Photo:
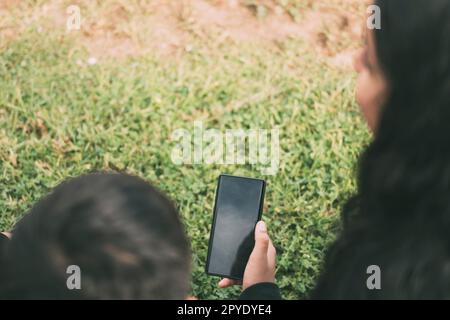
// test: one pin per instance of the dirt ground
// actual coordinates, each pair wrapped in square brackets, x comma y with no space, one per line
[115,28]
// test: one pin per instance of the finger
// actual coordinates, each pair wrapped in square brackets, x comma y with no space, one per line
[262,239]
[7,234]
[225,283]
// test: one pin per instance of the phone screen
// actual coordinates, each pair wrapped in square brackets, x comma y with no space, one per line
[237,209]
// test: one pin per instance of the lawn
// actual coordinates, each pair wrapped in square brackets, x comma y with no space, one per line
[61,116]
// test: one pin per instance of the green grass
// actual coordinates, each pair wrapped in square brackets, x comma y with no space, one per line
[60,118]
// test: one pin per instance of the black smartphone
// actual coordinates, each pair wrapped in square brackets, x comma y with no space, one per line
[237,209]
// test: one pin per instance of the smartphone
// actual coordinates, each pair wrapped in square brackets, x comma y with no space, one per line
[237,209]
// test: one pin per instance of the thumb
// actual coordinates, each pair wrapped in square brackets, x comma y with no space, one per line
[262,239]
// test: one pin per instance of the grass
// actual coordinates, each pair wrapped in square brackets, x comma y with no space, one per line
[61,117]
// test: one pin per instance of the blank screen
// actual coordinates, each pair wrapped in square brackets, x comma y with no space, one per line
[237,209]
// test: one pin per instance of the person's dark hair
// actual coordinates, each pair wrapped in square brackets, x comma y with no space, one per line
[400,217]
[125,236]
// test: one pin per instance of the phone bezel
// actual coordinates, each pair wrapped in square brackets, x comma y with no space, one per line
[213,226]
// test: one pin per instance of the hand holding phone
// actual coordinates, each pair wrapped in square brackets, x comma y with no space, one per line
[237,209]
[261,264]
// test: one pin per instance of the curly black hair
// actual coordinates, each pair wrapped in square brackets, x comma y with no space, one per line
[399,218]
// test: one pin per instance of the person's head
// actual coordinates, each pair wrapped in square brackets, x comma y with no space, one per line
[405,63]
[399,218]
[124,235]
